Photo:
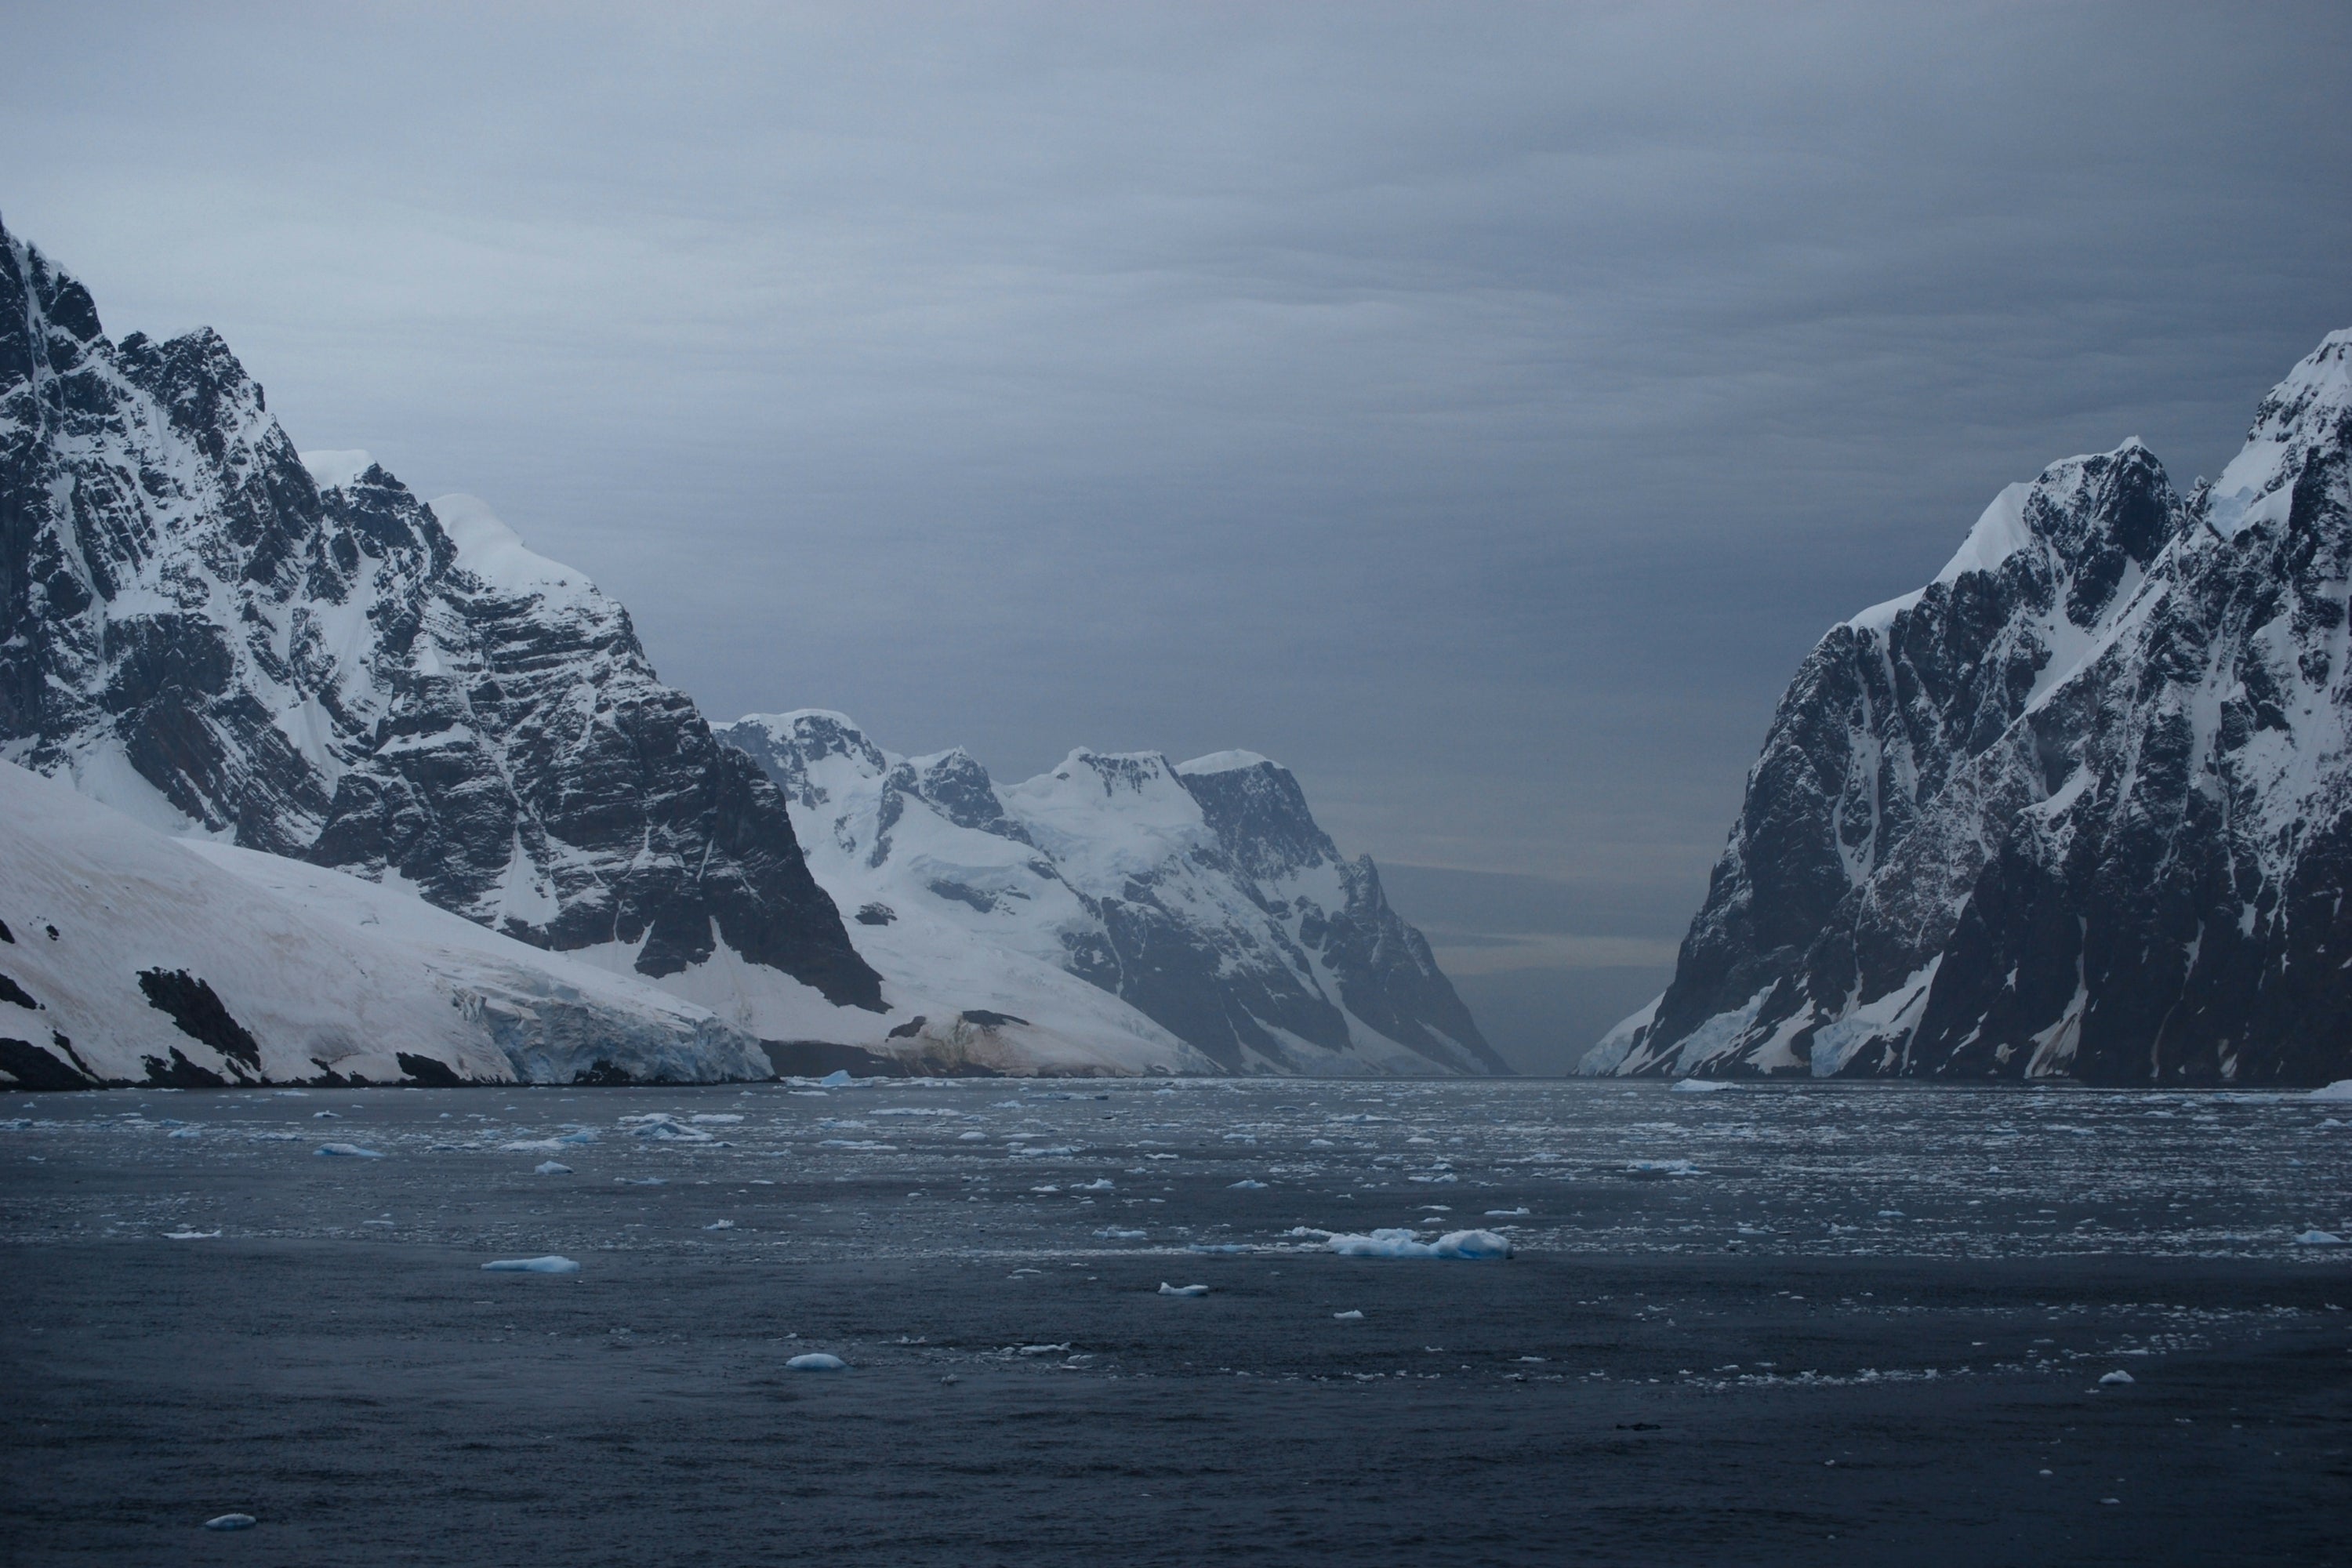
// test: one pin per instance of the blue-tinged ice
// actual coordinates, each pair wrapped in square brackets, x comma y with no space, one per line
[550,1264]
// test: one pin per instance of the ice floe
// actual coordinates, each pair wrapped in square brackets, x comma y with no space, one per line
[550,1264]
[1168,1289]
[1400,1243]
[817,1360]
[349,1151]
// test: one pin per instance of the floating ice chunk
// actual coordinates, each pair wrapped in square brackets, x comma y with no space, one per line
[1890,1214]
[579,1135]
[349,1151]
[1044,1350]
[1216,1247]
[2115,1379]
[1506,1214]
[531,1146]
[2319,1238]
[660,1124]
[1349,1317]
[1099,1184]
[817,1360]
[1401,1243]
[1246,1184]
[709,1118]
[1700,1086]
[2340,1090]
[550,1264]
[837,1079]
[185,1133]
[1056,1153]
[231,1522]
[550,1168]
[1168,1289]
[721,1224]
[183,1234]
[326,1116]
[972,1137]
[642,1181]
[1653,1169]
[1115,1234]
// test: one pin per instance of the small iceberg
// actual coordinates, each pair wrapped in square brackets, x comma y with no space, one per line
[231,1522]
[348,1151]
[1400,1243]
[817,1360]
[1508,1214]
[1700,1086]
[837,1079]
[1168,1289]
[1656,1170]
[2115,1379]
[550,1264]
[2340,1090]
[1114,1234]
[183,1234]
[1246,1184]
[550,1168]
[1349,1317]
[2319,1238]
[185,1133]
[721,1224]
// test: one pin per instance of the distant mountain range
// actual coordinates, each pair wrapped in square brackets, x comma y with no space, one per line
[2079,808]
[229,640]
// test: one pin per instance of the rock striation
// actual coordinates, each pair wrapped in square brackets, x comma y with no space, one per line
[2079,808]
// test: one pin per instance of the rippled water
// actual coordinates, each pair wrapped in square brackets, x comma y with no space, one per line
[978,1167]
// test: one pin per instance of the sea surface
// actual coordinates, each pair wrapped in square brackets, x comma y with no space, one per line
[1769,1323]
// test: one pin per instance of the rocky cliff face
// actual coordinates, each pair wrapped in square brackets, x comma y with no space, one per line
[198,628]
[1202,897]
[2080,807]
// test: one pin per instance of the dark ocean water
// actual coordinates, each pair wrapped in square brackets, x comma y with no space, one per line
[1769,1324]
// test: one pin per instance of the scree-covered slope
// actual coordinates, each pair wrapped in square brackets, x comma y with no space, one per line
[2080,807]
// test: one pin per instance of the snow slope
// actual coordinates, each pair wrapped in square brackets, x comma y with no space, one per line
[2081,807]
[1193,916]
[132,956]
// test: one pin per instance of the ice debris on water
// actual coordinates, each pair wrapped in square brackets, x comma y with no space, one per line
[231,1522]
[1168,1289]
[1655,1169]
[1700,1086]
[185,1133]
[1246,1184]
[348,1151]
[837,1079]
[2319,1238]
[2115,1379]
[721,1224]
[1349,1317]
[817,1360]
[183,1234]
[550,1168]
[1401,1243]
[1113,1233]
[1099,1184]
[2340,1090]
[1506,1214]
[550,1264]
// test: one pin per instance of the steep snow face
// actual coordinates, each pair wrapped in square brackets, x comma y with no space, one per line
[2079,808]
[1197,909]
[202,628]
[133,957]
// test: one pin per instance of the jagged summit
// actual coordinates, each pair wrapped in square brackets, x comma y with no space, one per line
[202,628]
[1200,901]
[2079,807]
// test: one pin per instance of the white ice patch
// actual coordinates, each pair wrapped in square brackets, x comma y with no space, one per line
[348,1151]
[550,1264]
[1168,1289]
[1400,1243]
[817,1360]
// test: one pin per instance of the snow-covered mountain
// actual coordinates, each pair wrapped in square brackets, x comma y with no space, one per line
[1194,909]
[2081,806]
[130,957]
[206,632]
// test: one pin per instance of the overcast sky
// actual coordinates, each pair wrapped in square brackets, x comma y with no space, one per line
[1480,409]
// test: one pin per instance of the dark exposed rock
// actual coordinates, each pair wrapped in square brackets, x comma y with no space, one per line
[199,1014]
[2079,808]
[201,633]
